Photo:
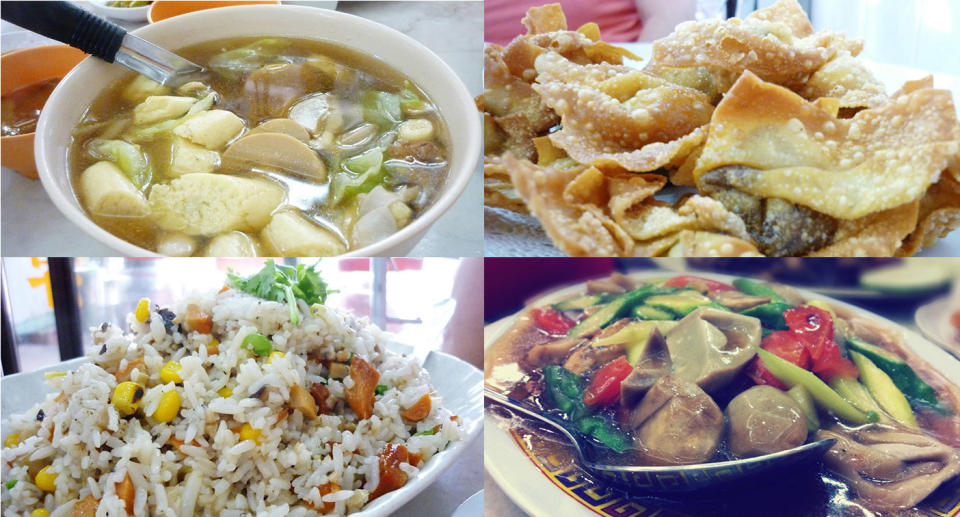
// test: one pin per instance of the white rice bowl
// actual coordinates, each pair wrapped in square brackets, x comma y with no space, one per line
[91,447]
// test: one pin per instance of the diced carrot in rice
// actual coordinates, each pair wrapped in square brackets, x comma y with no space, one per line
[391,476]
[360,395]
[125,491]
[86,507]
[419,410]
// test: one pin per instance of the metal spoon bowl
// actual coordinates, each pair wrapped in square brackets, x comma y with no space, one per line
[681,478]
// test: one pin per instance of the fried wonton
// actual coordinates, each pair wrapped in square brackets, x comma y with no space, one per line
[498,191]
[514,114]
[617,115]
[576,225]
[939,214]
[793,146]
[876,235]
[777,44]
[785,147]
[847,80]
[586,208]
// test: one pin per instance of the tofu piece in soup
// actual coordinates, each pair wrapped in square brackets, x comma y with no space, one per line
[106,191]
[208,204]
[289,234]
[212,129]
[232,244]
[141,87]
[158,108]
[187,157]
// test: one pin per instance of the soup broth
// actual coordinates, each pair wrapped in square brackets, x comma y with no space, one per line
[21,107]
[282,146]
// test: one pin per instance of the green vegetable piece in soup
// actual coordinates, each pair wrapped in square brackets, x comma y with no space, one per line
[919,393]
[409,98]
[884,391]
[603,430]
[127,156]
[358,175]
[249,57]
[792,375]
[382,109]
[565,390]
[770,315]
[756,288]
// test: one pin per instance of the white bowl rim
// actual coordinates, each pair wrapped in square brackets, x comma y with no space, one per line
[457,178]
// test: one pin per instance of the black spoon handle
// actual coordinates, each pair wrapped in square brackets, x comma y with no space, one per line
[67,23]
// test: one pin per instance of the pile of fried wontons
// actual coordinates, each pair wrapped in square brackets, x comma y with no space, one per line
[776,140]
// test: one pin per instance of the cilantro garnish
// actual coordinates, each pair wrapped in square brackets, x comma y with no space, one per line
[280,283]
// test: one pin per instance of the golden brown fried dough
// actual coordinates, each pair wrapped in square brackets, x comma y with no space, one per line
[846,168]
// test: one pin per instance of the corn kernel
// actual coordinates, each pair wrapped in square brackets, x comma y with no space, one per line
[143,310]
[213,347]
[247,432]
[126,397]
[225,392]
[168,408]
[40,512]
[50,375]
[46,480]
[12,441]
[274,355]
[171,372]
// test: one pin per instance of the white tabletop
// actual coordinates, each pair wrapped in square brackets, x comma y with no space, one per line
[32,225]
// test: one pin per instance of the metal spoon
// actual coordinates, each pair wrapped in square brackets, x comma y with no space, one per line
[668,478]
[90,33]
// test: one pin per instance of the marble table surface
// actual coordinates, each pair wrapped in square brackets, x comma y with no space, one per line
[32,225]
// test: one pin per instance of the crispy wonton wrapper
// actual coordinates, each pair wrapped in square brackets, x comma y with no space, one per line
[614,115]
[777,43]
[877,235]
[498,191]
[847,168]
[800,122]
[587,211]
[849,82]
[939,214]
[514,114]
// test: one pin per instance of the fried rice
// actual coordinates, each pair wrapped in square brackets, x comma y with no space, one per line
[202,462]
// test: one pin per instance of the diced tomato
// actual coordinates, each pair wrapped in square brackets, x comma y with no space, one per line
[831,363]
[955,319]
[552,320]
[786,345]
[604,389]
[692,281]
[809,344]
[809,321]
[815,327]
